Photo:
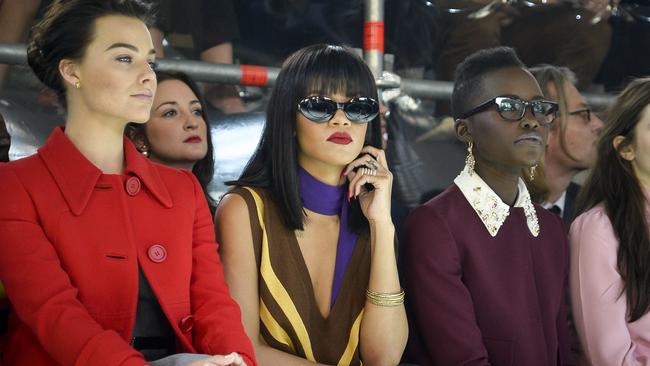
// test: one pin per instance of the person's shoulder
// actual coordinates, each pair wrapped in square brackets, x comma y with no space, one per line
[22,164]
[23,168]
[240,206]
[177,181]
[597,214]
[594,229]
[449,196]
[240,197]
[593,223]
[249,193]
[234,205]
[438,207]
[169,173]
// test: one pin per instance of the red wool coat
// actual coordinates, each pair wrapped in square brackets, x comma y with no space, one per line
[71,240]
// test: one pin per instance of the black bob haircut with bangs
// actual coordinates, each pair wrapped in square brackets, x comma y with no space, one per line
[314,70]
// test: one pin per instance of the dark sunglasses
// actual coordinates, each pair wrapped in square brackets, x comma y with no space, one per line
[514,109]
[321,109]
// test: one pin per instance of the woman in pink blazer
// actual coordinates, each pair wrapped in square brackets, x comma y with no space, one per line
[610,244]
[108,258]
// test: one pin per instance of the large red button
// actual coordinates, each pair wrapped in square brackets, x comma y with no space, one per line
[133,186]
[186,324]
[157,253]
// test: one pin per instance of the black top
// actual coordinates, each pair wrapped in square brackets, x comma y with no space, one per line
[151,324]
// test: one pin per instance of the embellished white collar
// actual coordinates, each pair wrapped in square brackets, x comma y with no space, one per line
[488,205]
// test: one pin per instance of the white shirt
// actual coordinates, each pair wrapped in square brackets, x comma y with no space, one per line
[559,203]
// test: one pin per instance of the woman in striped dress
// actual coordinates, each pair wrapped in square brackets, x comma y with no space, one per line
[306,236]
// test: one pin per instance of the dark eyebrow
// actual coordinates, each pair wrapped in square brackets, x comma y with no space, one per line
[165,103]
[129,46]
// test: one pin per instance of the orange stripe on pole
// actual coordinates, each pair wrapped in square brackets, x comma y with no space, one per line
[373,36]
[254,75]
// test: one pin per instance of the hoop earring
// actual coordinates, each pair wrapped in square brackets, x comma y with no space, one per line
[531,173]
[469,160]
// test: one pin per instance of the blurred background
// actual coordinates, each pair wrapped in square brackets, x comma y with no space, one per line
[234,48]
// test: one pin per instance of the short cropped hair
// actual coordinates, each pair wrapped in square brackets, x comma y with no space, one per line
[470,72]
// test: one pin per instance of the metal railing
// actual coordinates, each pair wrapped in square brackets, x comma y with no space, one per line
[265,76]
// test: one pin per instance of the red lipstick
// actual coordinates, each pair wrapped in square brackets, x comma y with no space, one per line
[340,138]
[195,139]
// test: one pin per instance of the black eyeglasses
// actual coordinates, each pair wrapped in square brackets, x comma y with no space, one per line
[321,109]
[514,109]
[584,113]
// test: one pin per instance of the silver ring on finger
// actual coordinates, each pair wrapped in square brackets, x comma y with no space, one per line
[372,164]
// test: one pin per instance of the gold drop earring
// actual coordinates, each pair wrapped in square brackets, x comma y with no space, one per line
[469,160]
[531,173]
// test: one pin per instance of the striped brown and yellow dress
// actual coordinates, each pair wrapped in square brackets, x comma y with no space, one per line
[289,317]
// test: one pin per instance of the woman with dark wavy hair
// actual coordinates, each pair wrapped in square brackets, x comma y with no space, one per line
[610,245]
[178,131]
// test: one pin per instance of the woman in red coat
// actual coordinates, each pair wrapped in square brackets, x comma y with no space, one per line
[107,258]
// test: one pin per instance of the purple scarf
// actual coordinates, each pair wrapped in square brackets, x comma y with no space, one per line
[330,200]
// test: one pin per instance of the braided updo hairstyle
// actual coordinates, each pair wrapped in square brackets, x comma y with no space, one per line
[66,30]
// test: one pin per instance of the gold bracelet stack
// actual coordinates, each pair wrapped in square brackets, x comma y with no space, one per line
[380,299]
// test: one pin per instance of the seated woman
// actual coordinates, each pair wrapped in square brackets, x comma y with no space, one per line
[178,133]
[484,267]
[107,258]
[610,245]
[307,238]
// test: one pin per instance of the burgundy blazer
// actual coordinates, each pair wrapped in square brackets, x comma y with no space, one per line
[71,240]
[474,299]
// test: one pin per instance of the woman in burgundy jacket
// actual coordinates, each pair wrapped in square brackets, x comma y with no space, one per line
[106,257]
[485,268]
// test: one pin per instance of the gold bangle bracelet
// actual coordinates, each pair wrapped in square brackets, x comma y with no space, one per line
[380,299]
